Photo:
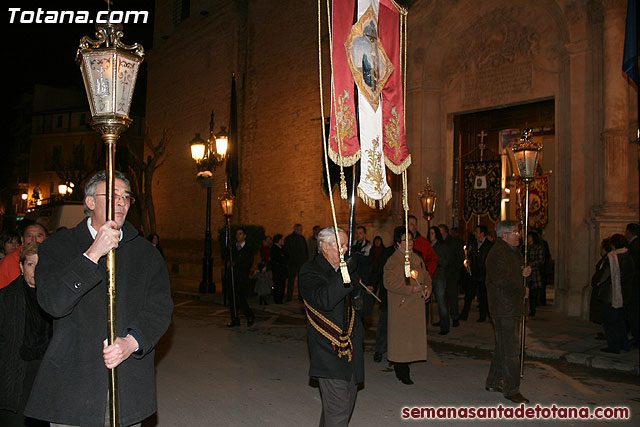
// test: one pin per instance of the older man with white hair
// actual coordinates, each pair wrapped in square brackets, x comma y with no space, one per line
[506,293]
[335,330]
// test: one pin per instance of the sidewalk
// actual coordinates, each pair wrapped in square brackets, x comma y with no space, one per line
[550,335]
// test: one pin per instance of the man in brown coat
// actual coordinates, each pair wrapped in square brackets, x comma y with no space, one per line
[506,293]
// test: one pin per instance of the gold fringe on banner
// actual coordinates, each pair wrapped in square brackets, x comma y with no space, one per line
[398,169]
[371,202]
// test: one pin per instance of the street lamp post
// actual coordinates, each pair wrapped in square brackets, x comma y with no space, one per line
[428,202]
[526,153]
[109,70]
[208,157]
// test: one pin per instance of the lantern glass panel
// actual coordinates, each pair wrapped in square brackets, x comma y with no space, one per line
[527,161]
[125,83]
[227,206]
[99,82]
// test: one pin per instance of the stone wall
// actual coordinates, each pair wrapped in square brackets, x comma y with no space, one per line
[464,56]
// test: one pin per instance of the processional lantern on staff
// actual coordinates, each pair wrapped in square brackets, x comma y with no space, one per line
[525,152]
[367,44]
[109,70]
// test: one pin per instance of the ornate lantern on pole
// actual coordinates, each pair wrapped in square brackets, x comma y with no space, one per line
[227,201]
[428,202]
[208,155]
[109,70]
[526,154]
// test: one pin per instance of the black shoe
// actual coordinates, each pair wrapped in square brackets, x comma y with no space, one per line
[495,389]
[251,320]
[436,324]
[480,320]
[443,332]
[517,398]
[377,357]
[608,350]
[233,324]
[456,323]
[406,381]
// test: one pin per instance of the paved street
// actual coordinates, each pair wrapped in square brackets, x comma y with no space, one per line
[209,375]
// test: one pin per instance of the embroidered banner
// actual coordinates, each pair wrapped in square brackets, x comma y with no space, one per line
[394,143]
[344,148]
[538,201]
[370,68]
[482,190]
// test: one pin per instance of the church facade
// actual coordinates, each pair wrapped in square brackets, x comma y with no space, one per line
[465,57]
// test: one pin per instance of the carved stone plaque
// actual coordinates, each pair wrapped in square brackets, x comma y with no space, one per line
[497,85]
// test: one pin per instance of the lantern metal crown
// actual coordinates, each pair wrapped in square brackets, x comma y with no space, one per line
[526,153]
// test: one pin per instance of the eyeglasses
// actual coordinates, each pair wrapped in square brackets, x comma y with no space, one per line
[514,232]
[127,199]
[409,239]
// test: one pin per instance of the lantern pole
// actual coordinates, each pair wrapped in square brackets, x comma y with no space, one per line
[109,73]
[526,153]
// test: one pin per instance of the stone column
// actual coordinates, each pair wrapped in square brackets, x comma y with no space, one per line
[616,210]
[616,107]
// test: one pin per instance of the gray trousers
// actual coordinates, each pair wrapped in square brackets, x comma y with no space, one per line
[338,401]
[505,364]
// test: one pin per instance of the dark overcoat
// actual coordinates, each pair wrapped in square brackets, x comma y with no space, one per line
[505,286]
[12,367]
[321,287]
[72,383]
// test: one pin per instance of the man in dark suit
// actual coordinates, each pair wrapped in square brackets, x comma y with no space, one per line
[278,268]
[242,263]
[295,245]
[334,329]
[454,248]
[506,293]
[477,256]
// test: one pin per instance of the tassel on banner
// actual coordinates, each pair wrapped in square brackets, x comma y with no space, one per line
[343,186]
[407,265]
[344,270]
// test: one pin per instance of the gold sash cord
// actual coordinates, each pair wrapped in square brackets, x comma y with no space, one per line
[340,340]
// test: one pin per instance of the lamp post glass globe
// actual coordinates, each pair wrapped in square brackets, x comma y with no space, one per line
[198,148]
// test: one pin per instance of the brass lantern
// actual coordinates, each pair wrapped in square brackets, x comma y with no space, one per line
[428,202]
[226,203]
[526,154]
[109,73]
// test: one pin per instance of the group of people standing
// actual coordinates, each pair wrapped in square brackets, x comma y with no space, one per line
[335,333]
[615,292]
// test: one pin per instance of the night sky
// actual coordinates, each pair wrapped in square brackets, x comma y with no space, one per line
[45,53]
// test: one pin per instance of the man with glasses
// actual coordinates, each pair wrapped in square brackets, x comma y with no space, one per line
[72,384]
[506,293]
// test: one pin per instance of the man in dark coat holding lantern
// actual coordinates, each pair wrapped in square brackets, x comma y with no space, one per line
[71,387]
